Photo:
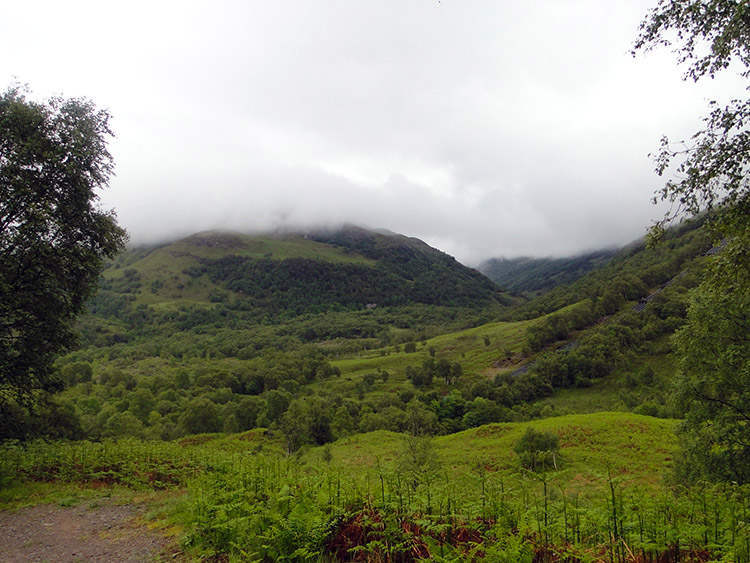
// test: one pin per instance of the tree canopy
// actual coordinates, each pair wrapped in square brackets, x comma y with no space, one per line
[712,177]
[53,235]
[712,166]
[707,35]
[713,384]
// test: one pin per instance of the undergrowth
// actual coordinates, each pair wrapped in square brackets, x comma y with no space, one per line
[261,506]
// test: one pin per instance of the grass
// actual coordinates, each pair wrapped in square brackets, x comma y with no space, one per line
[216,244]
[636,449]
[167,264]
[610,393]
[239,496]
[466,347]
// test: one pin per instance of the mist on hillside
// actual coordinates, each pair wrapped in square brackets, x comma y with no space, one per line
[485,129]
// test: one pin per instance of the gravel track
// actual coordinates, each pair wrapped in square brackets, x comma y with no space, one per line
[104,533]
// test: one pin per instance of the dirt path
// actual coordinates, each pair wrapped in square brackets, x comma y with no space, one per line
[105,533]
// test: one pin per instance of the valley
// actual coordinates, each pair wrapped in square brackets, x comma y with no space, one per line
[361,396]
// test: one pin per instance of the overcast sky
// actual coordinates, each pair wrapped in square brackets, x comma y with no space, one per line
[484,127]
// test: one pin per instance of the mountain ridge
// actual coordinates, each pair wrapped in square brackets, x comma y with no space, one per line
[309,271]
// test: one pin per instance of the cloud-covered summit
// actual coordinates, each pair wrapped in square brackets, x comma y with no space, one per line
[485,128]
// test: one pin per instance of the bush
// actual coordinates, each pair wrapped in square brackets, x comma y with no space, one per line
[538,451]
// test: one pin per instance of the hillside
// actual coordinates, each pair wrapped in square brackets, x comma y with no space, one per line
[461,498]
[633,272]
[531,276]
[369,285]
[205,369]
[349,269]
[215,332]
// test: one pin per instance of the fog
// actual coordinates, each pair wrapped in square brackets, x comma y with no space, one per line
[485,128]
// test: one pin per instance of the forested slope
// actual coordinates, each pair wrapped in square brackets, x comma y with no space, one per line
[531,276]
[323,335]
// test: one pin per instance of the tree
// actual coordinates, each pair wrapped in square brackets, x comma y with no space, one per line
[713,382]
[124,424]
[709,35]
[142,403]
[77,372]
[538,450]
[443,370]
[418,461]
[294,427]
[318,417]
[276,404]
[53,235]
[420,420]
[248,411]
[201,415]
[712,177]
[483,411]
[343,423]
[722,24]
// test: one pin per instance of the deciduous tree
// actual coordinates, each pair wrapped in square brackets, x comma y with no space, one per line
[538,450]
[712,177]
[707,35]
[713,383]
[53,235]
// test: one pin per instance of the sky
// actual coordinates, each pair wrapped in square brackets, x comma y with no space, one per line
[487,128]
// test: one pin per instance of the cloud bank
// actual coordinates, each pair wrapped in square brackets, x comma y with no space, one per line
[486,128]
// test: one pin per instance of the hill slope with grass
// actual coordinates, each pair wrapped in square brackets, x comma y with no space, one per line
[297,273]
[366,284]
[197,353]
[384,496]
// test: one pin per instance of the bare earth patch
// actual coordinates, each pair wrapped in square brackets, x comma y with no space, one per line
[104,533]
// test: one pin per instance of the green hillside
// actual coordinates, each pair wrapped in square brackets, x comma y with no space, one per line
[282,276]
[384,496]
[229,332]
[533,276]
[160,274]
[590,445]
[633,272]
[294,388]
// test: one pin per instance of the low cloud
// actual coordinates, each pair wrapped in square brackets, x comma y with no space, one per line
[485,128]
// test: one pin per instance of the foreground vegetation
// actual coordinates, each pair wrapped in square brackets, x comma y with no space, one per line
[384,496]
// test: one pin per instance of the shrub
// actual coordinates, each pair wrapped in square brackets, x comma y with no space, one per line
[538,451]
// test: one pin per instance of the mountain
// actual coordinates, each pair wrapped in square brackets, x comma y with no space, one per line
[223,280]
[348,268]
[355,330]
[539,275]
